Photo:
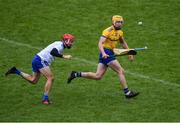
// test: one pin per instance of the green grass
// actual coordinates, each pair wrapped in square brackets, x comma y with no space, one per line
[155,73]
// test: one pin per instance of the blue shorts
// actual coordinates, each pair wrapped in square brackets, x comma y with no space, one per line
[108,59]
[37,63]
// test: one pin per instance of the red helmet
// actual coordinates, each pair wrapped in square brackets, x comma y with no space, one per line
[68,37]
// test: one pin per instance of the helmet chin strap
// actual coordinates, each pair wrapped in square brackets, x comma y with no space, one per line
[67,42]
[116,28]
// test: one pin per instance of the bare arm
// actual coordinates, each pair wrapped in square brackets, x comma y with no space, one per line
[123,43]
[101,48]
[125,46]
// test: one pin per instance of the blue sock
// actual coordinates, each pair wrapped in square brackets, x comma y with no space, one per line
[45,96]
[126,90]
[18,72]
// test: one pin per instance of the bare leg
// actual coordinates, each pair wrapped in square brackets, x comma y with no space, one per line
[46,71]
[120,71]
[101,69]
[33,79]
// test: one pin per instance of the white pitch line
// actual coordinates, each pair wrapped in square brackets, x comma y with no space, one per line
[153,79]
[93,63]
[19,44]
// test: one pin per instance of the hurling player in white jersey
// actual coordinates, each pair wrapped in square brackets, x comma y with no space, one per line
[41,64]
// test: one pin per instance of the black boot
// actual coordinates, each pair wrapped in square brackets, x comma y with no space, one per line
[11,71]
[72,76]
[131,94]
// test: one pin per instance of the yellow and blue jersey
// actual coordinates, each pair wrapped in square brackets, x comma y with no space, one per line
[112,37]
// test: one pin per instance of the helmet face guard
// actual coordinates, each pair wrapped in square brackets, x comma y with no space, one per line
[117,21]
[68,40]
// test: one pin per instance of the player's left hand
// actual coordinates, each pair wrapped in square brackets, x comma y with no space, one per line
[131,58]
[67,56]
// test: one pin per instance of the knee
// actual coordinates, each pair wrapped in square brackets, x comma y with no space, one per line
[98,77]
[121,72]
[51,78]
[33,81]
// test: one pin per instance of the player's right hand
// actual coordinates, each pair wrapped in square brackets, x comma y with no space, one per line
[104,56]
[67,56]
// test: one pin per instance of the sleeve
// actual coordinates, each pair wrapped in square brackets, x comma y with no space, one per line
[105,33]
[122,34]
[54,52]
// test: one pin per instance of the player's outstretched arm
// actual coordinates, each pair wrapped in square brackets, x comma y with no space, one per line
[55,53]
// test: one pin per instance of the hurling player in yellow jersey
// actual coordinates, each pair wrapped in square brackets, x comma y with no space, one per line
[111,36]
